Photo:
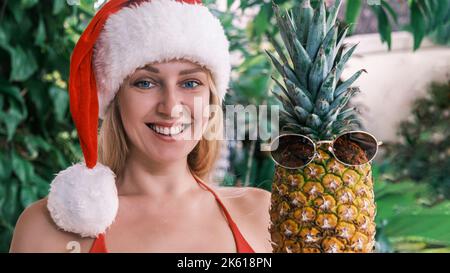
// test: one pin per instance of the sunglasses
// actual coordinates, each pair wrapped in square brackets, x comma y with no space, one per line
[294,151]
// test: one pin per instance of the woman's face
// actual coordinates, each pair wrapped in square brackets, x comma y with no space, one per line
[156,104]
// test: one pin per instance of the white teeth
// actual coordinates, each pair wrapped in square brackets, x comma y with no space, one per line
[174,130]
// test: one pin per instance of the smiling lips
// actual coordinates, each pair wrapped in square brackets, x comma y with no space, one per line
[170,130]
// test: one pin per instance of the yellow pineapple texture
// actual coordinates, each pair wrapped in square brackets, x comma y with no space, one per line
[324,207]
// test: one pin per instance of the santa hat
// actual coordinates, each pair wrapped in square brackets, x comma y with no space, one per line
[123,36]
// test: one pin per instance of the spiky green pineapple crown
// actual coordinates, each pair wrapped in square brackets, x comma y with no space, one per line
[313,100]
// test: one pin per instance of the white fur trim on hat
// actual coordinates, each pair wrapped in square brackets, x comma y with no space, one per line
[84,200]
[157,31]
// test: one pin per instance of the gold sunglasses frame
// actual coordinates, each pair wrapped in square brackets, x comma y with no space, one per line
[330,148]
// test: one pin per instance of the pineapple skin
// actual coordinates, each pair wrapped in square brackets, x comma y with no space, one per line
[324,207]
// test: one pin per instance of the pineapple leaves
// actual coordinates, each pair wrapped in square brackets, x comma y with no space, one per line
[346,113]
[313,121]
[287,105]
[329,44]
[287,117]
[301,113]
[317,73]
[277,47]
[340,65]
[275,62]
[343,86]
[326,92]
[286,30]
[314,100]
[302,18]
[341,38]
[301,97]
[341,100]
[293,127]
[333,14]
[302,63]
[322,107]
[316,31]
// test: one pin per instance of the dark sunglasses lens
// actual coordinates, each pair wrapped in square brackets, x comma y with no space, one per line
[355,148]
[292,151]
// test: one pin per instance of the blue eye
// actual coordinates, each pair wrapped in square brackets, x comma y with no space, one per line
[190,85]
[143,84]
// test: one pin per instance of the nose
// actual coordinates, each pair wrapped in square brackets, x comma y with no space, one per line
[170,104]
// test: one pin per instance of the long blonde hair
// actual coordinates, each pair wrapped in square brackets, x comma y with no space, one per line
[113,142]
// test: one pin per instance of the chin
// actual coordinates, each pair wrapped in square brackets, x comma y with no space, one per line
[168,152]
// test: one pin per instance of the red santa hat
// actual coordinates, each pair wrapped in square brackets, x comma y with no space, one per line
[123,36]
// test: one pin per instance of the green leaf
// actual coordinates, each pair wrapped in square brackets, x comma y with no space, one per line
[58,6]
[417,24]
[34,143]
[277,47]
[384,26]
[29,3]
[352,12]
[302,63]
[22,168]
[4,38]
[276,63]
[28,194]
[343,60]
[12,119]
[261,21]
[229,3]
[11,91]
[390,10]
[326,91]
[333,14]
[17,10]
[60,99]
[41,34]
[23,64]
[5,166]
[343,86]
[302,17]
[313,121]
[420,226]
[10,206]
[317,73]
[316,31]
[328,44]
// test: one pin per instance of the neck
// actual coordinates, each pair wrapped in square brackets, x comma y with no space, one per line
[157,180]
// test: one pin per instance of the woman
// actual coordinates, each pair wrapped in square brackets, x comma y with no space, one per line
[154,63]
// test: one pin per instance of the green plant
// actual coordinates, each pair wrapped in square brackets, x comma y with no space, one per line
[426,18]
[405,223]
[37,137]
[423,152]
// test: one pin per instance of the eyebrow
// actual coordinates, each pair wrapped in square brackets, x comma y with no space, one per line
[183,72]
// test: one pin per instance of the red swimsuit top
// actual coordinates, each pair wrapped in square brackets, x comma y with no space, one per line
[242,245]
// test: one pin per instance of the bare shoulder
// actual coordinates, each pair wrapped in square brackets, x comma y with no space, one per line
[35,231]
[249,208]
[245,197]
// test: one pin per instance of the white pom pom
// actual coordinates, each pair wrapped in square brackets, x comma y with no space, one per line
[84,200]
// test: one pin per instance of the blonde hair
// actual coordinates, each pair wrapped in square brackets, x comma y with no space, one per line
[113,142]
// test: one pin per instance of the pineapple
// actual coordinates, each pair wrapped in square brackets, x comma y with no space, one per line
[325,206]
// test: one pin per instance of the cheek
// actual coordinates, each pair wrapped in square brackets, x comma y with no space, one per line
[134,105]
[198,107]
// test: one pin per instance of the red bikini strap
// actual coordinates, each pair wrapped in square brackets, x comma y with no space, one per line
[241,244]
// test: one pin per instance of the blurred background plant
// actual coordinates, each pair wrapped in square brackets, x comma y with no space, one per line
[422,153]
[413,189]
[37,136]
[38,139]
